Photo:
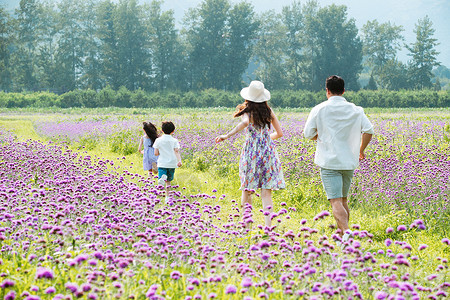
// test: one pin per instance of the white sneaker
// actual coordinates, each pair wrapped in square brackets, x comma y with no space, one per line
[346,235]
[162,180]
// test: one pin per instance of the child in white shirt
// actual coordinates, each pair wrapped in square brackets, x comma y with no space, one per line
[167,148]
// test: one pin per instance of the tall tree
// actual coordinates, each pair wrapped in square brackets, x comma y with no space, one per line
[206,34]
[293,20]
[24,59]
[46,47]
[242,27]
[423,53]
[394,75]
[70,50]
[332,46]
[6,31]
[91,77]
[380,45]
[270,51]
[164,48]
[131,40]
[310,45]
[108,49]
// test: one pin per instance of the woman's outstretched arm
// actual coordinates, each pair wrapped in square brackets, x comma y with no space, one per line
[243,124]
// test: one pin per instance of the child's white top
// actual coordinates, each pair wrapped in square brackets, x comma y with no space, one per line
[166,145]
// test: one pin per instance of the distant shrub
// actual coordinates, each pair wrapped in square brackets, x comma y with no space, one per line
[107,97]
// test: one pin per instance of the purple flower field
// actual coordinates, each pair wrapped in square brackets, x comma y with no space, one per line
[75,226]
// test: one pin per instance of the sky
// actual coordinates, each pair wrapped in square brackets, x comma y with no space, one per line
[399,12]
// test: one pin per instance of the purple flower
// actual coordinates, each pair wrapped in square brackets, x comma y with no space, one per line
[389,230]
[195,281]
[10,296]
[230,289]
[92,296]
[123,264]
[152,291]
[381,295]
[86,287]
[431,277]
[175,275]
[423,247]
[401,228]
[80,258]
[50,290]
[71,287]
[7,283]
[44,273]
[246,282]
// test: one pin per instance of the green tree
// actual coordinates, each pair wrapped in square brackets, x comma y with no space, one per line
[310,45]
[46,47]
[371,85]
[91,76]
[337,48]
[110,67]
[240,35]
[380,45]
[132,39]
[206,35]
[24,58]
[293,21]
[394,75]
[6,31]
[164,48]
[70,45]
[424,54]
[270,51]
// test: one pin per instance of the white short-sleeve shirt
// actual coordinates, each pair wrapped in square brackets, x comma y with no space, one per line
[338,124]
[166,145]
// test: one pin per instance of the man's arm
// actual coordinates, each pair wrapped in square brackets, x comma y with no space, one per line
[310,129]
[366,137]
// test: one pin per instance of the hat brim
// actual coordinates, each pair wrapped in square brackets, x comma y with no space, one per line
[263,97]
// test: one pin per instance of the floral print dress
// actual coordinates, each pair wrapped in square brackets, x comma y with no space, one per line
[259,165]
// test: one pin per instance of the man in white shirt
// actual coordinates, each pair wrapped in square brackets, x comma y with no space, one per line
[167,148]
[337,126]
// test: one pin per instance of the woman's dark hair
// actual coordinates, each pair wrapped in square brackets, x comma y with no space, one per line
[151,131]
[260,113]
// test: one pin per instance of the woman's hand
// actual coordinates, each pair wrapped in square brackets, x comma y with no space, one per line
[221,138]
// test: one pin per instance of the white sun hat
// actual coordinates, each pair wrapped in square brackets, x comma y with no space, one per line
[255,92]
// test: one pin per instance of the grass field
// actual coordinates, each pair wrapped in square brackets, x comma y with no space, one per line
[80,218]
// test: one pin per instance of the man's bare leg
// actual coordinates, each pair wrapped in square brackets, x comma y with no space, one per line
[340,213]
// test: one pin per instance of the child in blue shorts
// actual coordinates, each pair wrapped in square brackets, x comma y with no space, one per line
[167,148]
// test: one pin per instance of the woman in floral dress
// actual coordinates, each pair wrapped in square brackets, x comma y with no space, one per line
[259,164]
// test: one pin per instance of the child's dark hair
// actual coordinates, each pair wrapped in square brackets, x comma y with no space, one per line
[260,113]
[151,131]
[167,127]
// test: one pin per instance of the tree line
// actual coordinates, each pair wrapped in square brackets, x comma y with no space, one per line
[96,44]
